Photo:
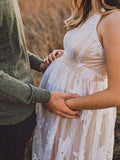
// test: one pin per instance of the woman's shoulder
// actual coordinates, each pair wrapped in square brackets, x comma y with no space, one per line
[112,19]
[110,23]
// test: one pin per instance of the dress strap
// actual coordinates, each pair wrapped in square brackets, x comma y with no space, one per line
[97,19]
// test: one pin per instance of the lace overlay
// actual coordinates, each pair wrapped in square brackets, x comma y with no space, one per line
[82,70]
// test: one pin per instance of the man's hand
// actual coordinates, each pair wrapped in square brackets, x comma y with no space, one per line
[43,67]
[54,55]
[57,105]
[48,60]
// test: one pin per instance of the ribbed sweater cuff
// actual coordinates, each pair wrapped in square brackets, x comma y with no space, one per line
[40,95]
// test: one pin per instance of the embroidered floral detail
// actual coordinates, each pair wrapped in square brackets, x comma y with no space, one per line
[76,154]
[34,157]
[85,116]
[63,148]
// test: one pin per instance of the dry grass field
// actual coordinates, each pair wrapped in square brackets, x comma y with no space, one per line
[44,25]
[44,30]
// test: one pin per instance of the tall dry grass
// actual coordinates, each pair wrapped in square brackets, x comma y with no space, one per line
[44,30]
[44,26]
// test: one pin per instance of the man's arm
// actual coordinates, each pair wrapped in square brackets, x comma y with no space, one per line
[35,61]
[28,94]
[24,93]
[41,65]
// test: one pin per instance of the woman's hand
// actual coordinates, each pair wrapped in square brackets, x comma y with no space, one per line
[51,57]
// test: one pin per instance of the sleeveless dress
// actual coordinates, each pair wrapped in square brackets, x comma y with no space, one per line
[81,70]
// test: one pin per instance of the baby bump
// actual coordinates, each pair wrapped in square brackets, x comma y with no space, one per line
[61,77]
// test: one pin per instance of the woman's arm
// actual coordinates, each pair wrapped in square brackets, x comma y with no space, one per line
[110,33]
[100,100]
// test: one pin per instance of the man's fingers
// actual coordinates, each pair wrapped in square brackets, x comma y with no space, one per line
[66,111]
[59,54]
[64,115]
[71,112]
[53,56]
[69,96]
[46,61]
[50,59]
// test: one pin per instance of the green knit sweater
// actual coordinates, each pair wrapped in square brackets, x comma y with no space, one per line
[18,96]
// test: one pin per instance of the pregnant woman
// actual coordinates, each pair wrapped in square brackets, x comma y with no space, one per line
[90,67]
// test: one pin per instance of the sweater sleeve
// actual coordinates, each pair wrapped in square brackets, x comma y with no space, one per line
[1,14]
[24,93]
[34,61]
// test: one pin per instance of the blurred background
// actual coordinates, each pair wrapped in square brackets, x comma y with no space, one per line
[44,30]
[44,26]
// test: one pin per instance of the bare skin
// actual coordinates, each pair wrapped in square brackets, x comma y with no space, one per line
[58,106]
[109,35]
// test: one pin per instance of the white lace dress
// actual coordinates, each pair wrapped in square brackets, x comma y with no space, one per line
[82,70]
